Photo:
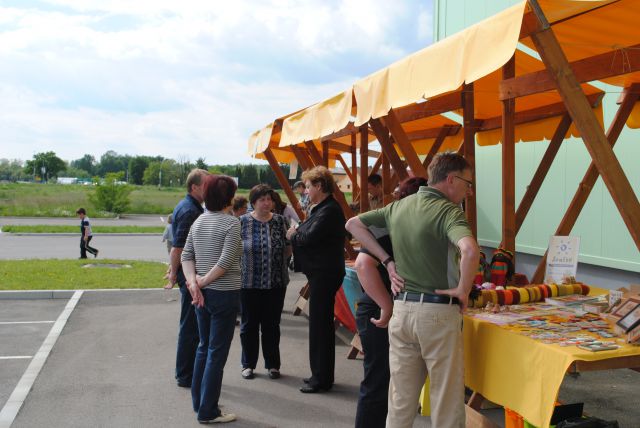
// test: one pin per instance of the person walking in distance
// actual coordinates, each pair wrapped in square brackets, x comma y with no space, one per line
[85,235]
[184,214]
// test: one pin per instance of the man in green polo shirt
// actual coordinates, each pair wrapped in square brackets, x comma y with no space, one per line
[436,257]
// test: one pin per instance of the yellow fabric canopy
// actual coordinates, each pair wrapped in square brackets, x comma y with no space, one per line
[319,120]
[441,67]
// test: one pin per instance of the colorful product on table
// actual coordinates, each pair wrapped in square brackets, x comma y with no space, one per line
[534,293]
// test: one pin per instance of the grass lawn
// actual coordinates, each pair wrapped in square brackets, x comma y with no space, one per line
[70,275]
[48,228]
[59,200]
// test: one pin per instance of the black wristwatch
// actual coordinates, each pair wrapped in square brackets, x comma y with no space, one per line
[388,260]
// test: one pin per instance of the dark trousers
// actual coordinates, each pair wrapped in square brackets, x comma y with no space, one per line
[84,247]
[187,335]
[322,336]
[216,323]
[374,388]
[261,312]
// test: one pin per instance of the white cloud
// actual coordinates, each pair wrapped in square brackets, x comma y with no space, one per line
[167,78]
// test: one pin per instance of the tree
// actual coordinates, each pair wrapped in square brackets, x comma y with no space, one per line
[86,163]
[77,173]
[137,165]
[153,173]
[12,170]
[112,162]
[249,177]
[200,163]
[112,196]
[45,164]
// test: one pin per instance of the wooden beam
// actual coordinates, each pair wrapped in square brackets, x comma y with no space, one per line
[538,113]
[364,168]
[325,153]
[354,167]
[431,107]
[543,169]
[284,183]
[588,181]
[347,170]
[382,133]
[400,137]
[303,158]
[350,129]
[427,134]
[377,164]
[435,147]
[598,67]
[386,181]
[508,165]
[469,149]
[314,154]
[585,120]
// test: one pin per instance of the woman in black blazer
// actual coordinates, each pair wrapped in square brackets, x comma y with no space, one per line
[318,245]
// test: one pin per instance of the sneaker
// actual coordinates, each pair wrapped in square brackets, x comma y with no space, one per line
[224,417]
[274,373]
[247,373]
[96,254]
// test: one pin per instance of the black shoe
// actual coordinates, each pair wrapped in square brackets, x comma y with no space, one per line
[247,373]
[274,373]
[183,384]
[313,389]
[306,379]
[96,254]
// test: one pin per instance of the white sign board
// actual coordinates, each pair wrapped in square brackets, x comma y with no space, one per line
[562,258]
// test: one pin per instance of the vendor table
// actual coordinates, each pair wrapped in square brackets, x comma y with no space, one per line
[524,374]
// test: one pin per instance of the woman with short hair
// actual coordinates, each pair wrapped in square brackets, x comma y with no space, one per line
[264,282]
[318,245]
[211,264]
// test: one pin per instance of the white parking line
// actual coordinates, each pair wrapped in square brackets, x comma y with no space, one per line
[25,322]
[19,394]
[17,357]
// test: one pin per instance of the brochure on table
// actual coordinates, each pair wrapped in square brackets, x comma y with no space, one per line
[562,257]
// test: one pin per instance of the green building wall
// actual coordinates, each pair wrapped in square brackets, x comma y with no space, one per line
[605,240]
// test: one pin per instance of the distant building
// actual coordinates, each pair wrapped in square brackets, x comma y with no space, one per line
[67,180]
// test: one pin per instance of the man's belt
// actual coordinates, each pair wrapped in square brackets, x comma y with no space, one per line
[426,298]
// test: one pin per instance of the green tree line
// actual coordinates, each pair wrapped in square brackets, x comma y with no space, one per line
[139,170]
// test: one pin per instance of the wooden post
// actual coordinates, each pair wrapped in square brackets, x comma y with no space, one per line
[377,164]
[585,120]
[382,133]
[590,177]
[469,144]
[508,165]
[401,139]
[364,168]
[314,154]
[283,181]
[302,157]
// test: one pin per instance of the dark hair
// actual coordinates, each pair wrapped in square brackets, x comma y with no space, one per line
[218,191]
[320,175]
[444,163]
[81,211]
[258,191]
[239,202]
[411,186]
[374,179]
[279,204]
[195,178]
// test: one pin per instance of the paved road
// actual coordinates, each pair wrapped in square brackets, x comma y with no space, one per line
[128,220]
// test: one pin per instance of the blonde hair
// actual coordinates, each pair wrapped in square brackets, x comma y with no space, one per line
[322,175]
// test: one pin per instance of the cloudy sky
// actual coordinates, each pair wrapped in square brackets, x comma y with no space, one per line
[183,77]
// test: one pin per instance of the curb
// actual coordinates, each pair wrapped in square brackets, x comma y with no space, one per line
[78,234]
[58,294]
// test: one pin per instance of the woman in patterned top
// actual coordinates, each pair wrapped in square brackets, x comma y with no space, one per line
[264,281]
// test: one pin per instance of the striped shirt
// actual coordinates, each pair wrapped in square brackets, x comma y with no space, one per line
[214,240]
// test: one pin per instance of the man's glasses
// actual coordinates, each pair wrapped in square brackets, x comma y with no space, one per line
[469,182]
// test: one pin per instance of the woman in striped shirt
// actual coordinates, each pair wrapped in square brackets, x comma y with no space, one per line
[211,264]
[264,281]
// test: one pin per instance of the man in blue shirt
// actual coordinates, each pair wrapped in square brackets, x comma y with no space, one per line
[185,213]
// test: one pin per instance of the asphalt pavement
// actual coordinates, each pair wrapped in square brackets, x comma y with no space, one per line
[112,365]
